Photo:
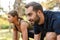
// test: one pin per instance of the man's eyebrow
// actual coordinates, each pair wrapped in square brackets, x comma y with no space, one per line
[28,13]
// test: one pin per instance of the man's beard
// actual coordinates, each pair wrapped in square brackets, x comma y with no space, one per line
[38,19]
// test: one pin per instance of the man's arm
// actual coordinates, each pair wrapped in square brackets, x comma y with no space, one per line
[15,34]
[56,27]
[24,30]
[37,32]
[37,36]
[58,37]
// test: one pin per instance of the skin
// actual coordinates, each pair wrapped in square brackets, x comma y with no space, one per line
[32,16]
[51,36]
[21,27]
[58,37]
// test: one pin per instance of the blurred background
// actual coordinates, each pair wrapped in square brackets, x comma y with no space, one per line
[8,5]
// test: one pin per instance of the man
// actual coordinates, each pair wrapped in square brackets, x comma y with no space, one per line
[48,22]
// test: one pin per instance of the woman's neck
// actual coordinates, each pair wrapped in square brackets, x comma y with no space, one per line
[16,22]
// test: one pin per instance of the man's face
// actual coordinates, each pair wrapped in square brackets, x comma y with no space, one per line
[11,18]
[31,15]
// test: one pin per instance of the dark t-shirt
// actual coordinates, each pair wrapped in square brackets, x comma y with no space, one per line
[51,24]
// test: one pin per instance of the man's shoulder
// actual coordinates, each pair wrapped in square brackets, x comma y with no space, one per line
[51,12]
[54,14]
[48,12]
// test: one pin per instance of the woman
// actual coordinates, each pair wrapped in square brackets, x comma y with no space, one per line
[19,25]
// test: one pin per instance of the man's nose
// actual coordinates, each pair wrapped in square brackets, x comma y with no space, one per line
[29,18]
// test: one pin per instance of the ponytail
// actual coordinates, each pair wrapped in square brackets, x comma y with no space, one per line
[20,18]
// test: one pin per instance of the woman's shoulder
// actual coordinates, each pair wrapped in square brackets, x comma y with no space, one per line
[23,22]
[26,23]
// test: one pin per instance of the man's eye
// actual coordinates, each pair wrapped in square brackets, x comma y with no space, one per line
[29,14]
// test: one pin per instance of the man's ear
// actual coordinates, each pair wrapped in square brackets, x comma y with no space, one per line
[39,13]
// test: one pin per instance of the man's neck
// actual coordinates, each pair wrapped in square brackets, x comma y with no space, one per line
[41,19]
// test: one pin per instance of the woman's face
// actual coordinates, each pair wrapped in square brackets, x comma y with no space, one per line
[11,18]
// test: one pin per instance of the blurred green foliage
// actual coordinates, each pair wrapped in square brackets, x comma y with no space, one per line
[4,26]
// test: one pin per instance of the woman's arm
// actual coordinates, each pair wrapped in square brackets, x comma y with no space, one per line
[24,30]
[15,34]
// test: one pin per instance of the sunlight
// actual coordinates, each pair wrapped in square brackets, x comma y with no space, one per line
[5,4]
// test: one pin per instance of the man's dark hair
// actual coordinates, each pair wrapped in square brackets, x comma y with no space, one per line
[36,6]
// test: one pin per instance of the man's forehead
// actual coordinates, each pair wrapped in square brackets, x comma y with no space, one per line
[29,10]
